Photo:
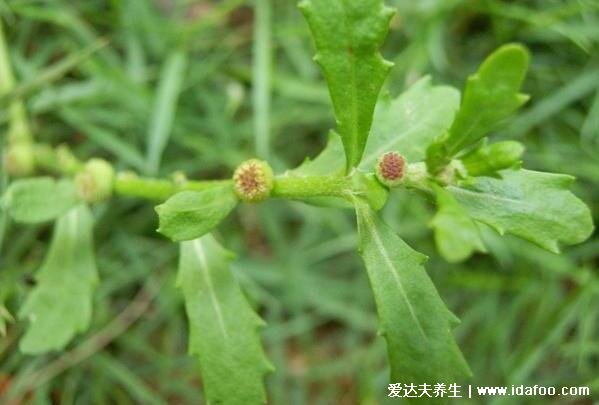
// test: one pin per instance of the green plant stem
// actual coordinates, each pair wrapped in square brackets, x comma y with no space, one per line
[312,186]
[130,185]
[61,161]
[7,81]
[19,131]
[58,160]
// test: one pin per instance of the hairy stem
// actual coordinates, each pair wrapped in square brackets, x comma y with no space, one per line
[312,186]
[130,185]
[60,160]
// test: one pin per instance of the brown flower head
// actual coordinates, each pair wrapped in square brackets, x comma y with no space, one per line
[390,169]
[253,180]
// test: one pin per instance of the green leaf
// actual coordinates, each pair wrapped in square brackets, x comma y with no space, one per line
[330,161]
[190,214]
[348,35]
[456,234]
[413,318]
[40,199]
[60,305]
[491,95]
[410,122]
[407,124]
[223,326]
[487,160]
[532,205]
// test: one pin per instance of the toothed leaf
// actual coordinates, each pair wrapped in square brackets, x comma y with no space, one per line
[406,124]
[60,305]
[532,205]
[223,326]
[348,35]
[413,319]
[410,122]
[491,95]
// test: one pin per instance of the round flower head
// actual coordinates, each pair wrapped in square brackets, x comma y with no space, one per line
[253,180]
[95,181]
[18,159]
[390,169]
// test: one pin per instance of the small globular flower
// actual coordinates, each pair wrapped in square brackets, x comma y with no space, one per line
[18,159]
[96,181]
[390,169]
[253,180]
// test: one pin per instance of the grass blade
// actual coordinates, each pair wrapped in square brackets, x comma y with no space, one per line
[261,72]
[165,105]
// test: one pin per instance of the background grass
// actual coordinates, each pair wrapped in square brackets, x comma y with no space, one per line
[199,86]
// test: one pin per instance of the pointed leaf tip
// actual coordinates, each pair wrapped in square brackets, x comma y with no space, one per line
[348,36]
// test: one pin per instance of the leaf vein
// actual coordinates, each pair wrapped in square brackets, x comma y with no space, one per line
[206,275]
[379,243]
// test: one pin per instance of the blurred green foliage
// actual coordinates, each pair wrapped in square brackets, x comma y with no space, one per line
[197,86]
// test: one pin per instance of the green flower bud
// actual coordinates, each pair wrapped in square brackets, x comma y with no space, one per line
[253,180]
[390,169]
[19,159]
[489,159]
[96,181]
[416,175]
[451,173]
[179,178]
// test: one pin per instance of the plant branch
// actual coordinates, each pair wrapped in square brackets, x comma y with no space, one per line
[312,186]
[60,160]
[130,185]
